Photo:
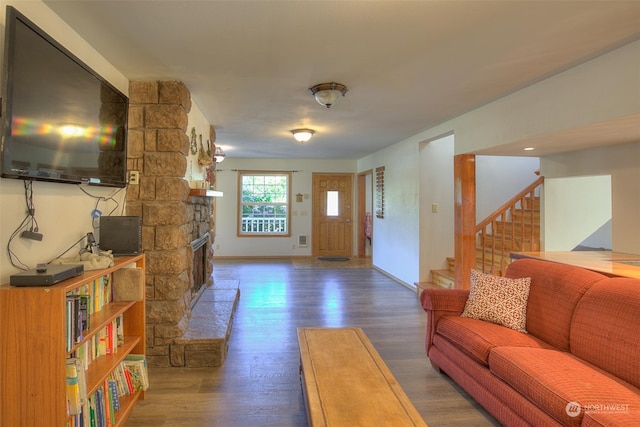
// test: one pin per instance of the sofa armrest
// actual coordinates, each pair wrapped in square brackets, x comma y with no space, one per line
[438,303]
[444,299]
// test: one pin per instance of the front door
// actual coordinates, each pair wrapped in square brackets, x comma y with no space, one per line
[332,222]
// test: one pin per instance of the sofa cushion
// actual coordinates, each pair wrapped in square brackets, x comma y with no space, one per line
[559,382]
[476,338]
[498,300]
[606,328]
[554,293]
[616,416]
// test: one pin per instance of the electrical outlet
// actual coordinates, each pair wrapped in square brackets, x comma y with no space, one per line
[434,208]
[134,177]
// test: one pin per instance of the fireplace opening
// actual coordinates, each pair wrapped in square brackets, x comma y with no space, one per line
[199,249]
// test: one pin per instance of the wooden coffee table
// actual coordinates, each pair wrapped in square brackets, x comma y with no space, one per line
[346,382]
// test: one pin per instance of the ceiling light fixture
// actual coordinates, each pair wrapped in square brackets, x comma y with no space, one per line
[302,135]
[327,93]
[219,155]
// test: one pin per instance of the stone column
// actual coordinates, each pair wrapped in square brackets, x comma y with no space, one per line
[158,146]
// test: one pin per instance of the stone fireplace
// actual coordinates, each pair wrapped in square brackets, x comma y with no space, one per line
[199,268]
[201,210]
[178,227]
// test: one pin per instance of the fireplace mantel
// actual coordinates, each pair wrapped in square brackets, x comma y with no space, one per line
[201,192]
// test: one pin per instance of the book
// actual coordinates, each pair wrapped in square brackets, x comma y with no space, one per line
[115,396]
[73,388]
[76,390]
[136,364]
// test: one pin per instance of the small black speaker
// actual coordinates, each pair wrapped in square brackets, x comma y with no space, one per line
[122,235]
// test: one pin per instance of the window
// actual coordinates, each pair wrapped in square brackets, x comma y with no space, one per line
[333,203]
[264,203]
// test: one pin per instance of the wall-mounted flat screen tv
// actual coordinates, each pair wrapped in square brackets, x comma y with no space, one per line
[61,121]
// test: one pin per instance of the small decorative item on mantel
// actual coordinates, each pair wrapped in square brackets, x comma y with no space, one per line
[211,177]
[193,144]
[203,158]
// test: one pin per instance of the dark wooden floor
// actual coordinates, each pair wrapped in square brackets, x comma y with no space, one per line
[259,385]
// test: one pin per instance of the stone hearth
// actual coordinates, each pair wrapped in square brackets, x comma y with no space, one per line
[172,218]
[205,342]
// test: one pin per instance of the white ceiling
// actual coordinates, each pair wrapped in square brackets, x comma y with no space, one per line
[409,65]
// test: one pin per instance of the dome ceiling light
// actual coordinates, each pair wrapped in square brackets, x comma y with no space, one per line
[327,93]
[302,135]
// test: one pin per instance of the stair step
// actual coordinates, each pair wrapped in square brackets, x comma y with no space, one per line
[451,263]
[507,227]
[443,278]
[531,202]
[525,215]
[508,244]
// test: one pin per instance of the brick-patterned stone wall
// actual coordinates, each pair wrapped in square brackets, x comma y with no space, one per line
[201,210]
[158,146]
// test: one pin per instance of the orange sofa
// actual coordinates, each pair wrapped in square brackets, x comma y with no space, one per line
[578,364]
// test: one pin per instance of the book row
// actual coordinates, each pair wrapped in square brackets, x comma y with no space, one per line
[100,408]
[81,304]
[106,341]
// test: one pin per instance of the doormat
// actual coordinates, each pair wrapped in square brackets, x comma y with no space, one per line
[313,263]
[333,258]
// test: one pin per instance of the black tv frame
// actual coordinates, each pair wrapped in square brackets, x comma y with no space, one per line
[12,16]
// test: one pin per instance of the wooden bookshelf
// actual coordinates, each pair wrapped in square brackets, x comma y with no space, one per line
[33,348]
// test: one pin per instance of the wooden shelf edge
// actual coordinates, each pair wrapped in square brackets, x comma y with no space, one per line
[100,368]
[127,403]
[101,318]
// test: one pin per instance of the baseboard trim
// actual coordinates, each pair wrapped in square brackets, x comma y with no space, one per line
[260,257]
[409,286]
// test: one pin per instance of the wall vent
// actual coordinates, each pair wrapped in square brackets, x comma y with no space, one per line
[302,241]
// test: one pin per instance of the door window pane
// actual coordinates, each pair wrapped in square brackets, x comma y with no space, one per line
[332,203]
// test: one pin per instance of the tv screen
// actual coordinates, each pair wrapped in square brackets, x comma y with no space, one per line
[61,120]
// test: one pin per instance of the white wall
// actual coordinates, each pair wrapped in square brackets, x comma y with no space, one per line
[228,245]
[626,210]
[574,208]
[621,163]
[396,237]
[436,187]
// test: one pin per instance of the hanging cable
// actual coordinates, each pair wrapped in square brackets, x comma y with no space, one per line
[70,247]
[28,228]
[96,213]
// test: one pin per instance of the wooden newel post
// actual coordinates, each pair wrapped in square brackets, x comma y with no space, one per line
[464,171]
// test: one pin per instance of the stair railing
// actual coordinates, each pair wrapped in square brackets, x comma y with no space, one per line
[514,226]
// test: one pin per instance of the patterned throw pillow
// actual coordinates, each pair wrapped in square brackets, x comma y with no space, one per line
[498,300]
